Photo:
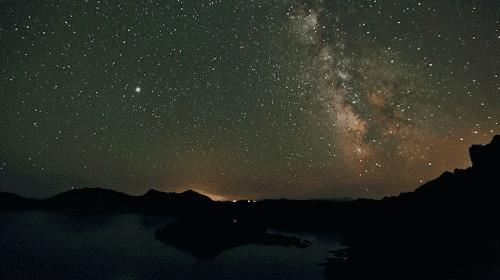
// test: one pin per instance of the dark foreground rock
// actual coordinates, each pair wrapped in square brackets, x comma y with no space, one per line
[446,229]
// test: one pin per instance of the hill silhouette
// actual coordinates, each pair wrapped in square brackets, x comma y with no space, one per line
[105,200]
[14,201]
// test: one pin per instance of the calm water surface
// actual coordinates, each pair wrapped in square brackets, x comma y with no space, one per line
[39,244]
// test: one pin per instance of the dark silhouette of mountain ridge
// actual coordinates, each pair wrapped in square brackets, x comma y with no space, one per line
[474,180]
[446,229]
[106,200]
[14,201]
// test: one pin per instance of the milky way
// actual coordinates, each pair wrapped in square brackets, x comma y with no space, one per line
[249,99]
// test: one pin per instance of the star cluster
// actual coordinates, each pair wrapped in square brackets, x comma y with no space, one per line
[244,98]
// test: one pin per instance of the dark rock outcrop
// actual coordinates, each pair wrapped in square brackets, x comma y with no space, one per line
[486,157]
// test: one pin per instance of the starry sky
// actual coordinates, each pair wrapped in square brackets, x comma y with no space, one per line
[244,98]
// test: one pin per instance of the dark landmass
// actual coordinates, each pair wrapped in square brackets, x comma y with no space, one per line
[14,201]
[105,200]
[210,235]
[446,229]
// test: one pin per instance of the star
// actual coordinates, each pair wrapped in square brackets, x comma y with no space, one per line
[295,99]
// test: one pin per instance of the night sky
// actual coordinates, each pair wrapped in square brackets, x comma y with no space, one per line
[244,99]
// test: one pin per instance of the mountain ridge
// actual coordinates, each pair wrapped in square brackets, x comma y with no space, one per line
[101,199]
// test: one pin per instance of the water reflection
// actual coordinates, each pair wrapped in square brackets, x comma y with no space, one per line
[38,244]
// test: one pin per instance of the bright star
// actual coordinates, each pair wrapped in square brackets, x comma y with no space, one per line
[138,89]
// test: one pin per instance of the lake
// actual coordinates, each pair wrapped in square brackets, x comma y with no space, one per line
[50,245]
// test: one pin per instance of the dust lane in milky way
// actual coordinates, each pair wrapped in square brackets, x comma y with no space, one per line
[237,99]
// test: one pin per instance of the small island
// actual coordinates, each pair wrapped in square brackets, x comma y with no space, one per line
[209,235]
